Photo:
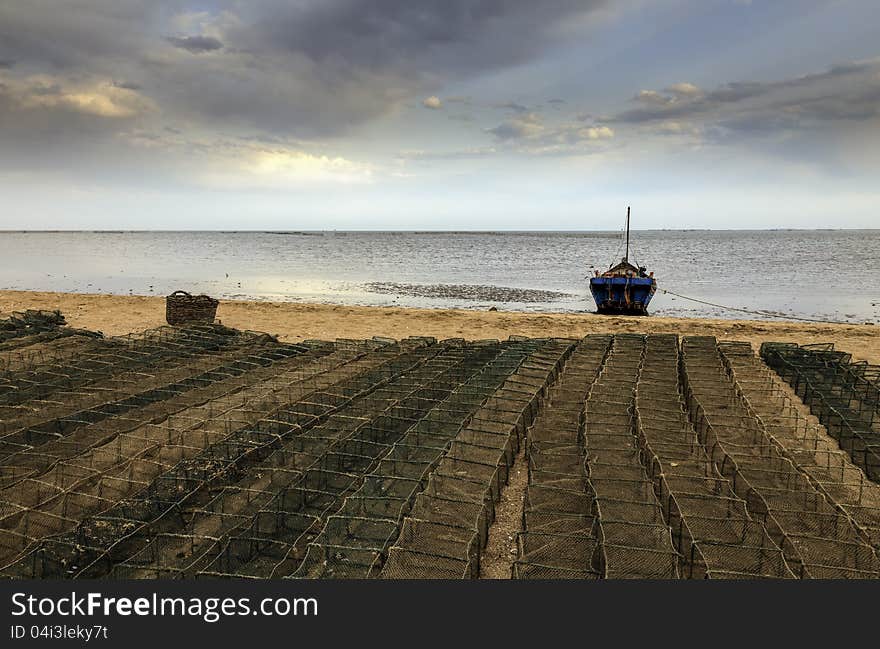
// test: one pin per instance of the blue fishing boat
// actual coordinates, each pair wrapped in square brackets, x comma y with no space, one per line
[624,289]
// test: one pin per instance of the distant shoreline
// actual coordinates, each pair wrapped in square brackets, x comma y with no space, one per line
[122,314]
[430,232]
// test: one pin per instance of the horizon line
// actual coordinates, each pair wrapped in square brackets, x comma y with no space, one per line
[417,231]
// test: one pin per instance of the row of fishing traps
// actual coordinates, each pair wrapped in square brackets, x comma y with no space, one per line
[202,451]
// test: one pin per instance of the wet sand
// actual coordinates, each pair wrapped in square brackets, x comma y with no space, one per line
[477,293]
[121,314]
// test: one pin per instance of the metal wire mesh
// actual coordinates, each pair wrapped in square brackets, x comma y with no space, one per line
[447,528]
[559,537]
[208,452]
[797,515]
[843,394]
[711,527]
[157,468]
[806,442]
[633,541]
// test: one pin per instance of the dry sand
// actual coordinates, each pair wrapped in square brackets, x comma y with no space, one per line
[501,551]
[120,314]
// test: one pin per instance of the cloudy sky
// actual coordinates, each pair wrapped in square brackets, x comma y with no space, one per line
[452,114]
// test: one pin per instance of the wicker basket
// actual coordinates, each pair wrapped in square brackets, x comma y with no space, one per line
[181,307]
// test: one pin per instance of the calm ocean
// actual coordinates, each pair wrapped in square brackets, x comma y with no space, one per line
[816,274]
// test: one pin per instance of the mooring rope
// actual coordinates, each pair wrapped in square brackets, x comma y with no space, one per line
[753,312]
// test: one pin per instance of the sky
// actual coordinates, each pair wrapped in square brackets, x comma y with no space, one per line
[443,115]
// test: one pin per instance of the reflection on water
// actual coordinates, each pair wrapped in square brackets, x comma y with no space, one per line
[820,274]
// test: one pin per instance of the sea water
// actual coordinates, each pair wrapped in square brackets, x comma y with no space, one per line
[826,275]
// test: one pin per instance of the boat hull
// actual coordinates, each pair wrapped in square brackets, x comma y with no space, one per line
[623,295]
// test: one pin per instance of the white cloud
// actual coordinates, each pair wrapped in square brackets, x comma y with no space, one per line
[253,167]
[596,133]
[677,93]
[652,97]
[432,102]
[684,89]
[100,98]
[530,130]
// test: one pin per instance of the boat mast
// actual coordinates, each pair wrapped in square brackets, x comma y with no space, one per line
[626,258]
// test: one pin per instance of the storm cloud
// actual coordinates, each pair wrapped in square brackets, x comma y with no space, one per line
[195,44]
[844,92]
[416,37]
[312,68]
[272,94]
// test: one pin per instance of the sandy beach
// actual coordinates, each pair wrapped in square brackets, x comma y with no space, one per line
[119,314]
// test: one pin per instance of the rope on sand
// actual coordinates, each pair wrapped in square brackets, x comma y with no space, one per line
[768,314]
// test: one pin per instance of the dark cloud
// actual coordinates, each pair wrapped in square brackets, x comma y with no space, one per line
[195,44]
[127,85]
[803,114]
[738,91]
[512,105]
[104,74]
[353,60]
[802,118]
[85,35]
[314,68]
[798,94]
[413,34]
[50,136]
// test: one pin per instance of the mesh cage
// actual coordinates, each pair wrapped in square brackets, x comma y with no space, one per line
[844,395]
[207,452]
[154,469]
[711,526]
[447,529]
[633,541]
[796,513]
[829,466]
